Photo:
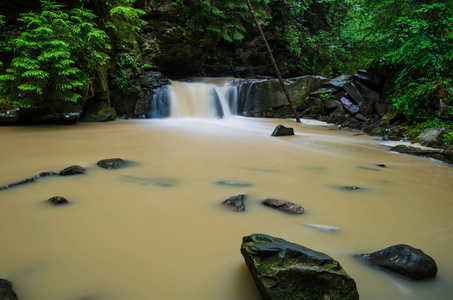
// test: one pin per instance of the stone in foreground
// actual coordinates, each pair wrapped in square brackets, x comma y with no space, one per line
[284,206]
[284,271]
[111,163]
[281,130]
[403,260]
[6,290]
[235,202]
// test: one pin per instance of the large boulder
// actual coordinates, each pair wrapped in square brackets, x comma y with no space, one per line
[403,260]
[281,130]
[283,270]
[430,137]
[263,94]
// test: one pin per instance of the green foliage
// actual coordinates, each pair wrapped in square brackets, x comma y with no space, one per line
[59,53]
[416,38]
[125,65]
[124,21]
[225,19]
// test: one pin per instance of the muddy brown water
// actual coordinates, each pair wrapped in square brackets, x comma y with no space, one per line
[156,229]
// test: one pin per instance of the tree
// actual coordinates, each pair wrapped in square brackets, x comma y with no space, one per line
[416,39]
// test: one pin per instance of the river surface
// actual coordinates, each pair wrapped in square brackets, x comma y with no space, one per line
[157,230]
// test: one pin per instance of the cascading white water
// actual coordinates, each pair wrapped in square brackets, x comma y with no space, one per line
[208,99]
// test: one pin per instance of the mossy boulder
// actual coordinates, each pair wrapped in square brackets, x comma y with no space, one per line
[284,271]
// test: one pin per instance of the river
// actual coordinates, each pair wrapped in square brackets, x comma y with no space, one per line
[157,230]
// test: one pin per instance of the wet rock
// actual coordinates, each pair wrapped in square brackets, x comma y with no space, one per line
[58,201]
[44,174]
[351,188]
[285,206]
[231,183]
[368,168]
[237,203]
[339,82]
[281,130]
[162,182]
[382,165]
[349,106]
[111,163]
[326,228]
[72,170]
[6,290]
[403,260]
[10,185]
[284,270]
[360,117]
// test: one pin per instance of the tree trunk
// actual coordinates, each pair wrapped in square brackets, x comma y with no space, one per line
[296,115]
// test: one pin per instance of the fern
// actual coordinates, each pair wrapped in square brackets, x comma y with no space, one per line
[59,55]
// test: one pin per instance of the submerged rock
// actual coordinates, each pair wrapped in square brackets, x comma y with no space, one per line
[321,227]
[162,182]
[284,271]
[10,185]
[281,130]
[236,202]
[112,163]
[232,183]
[58,200]
[284,206]
[44,174]
[403,260]
[6,290]
[72,170]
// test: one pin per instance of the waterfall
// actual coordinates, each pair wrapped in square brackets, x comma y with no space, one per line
[211,98]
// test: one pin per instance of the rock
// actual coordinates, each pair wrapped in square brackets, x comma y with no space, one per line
[161,182]
[353,91]
[323,91]
[44,174]
[281,130]
[368,94]
[9,116]
[284,206]
[430,137]
[360,117]
[382,165]
[349,106]
[230,183]
[403,260]
[236,202]
[337,115]
[6,290]
[112,163]
[381,108]
[331,104]
[351,188]
[7,186]
[98,109]
[260,95]
[284,271]
[321,227]
[72,170]
[58,200]
[338,83]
